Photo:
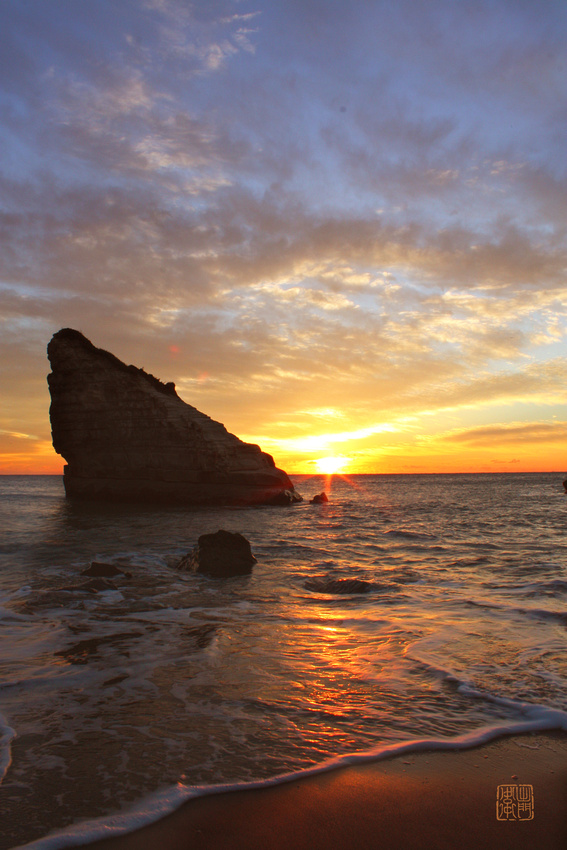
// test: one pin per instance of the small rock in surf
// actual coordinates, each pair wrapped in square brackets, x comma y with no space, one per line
[320,499]
[222,554]
[100,570]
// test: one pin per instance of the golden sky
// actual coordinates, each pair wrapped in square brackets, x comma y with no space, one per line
[338,227]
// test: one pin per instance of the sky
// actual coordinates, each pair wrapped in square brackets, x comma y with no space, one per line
[339,226]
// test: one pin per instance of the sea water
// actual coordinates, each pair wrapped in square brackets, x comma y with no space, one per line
[166,681]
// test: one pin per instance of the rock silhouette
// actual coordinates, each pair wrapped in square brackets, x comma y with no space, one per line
[320,499]
[222,554]
[127,436]
[100,570]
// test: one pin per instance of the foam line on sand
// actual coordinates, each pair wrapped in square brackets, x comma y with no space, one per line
[508,793]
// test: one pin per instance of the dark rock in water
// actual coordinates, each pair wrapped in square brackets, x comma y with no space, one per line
[100,570]
[221,555]
[82,652]
[321,499]
[325,584]
[87,649]
[285,497]
[127,436]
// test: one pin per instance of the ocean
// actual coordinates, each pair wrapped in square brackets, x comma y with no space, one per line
[136,694]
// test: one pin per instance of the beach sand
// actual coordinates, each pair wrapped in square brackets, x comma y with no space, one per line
[428,800]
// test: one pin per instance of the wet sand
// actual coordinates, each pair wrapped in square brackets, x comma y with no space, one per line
[429,800]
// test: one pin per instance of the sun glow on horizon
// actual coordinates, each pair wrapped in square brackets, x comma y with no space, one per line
[331,465]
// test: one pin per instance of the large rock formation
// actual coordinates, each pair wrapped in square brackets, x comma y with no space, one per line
[127,436]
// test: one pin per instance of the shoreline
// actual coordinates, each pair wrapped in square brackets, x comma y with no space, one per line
[415,799]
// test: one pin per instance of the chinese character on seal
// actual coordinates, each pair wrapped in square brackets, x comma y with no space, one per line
[515,802]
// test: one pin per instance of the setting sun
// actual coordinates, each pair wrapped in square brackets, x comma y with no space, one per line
[330,465]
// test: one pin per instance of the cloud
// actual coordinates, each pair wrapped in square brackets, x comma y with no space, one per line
[512,433]
[16,436]
[361,212]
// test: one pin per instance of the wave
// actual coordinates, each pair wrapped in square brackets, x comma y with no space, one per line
[403,534]
[554,587]
[538,613]
[157,806]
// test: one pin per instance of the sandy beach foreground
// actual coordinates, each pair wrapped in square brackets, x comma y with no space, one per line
[509,793]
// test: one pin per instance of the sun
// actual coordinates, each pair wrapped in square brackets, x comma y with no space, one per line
[331,465]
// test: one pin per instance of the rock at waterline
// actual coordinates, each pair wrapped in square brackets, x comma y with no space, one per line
[320,499]
[221,555]
[285,497]
[325,584]
[99,570]
[126,436]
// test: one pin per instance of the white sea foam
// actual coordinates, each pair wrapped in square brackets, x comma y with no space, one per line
[156,806]
[7,735]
